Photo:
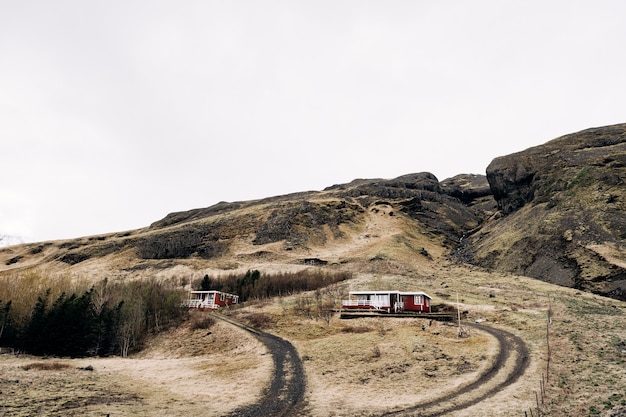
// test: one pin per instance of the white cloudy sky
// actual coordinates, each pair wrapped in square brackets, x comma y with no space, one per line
[115,113]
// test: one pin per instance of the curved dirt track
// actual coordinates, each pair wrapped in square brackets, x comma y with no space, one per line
[285,395]
[508,344]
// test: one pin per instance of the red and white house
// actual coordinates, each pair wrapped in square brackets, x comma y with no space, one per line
[210,300]
[389,301]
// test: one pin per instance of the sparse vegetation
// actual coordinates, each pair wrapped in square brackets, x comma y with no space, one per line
[559,218]
[45,366]
[103,320]
[257,285]
[200,321]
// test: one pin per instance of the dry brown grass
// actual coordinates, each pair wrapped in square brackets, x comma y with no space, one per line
[183,372]
[45,366]
[359,366]
[356,366]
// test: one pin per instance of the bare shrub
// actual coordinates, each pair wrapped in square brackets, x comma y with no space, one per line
[45,366]
[376,353]
[201,321]
[303,307]
[259,320]
[356,329]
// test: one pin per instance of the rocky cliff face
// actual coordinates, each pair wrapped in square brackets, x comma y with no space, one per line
[564,206]
[541,173]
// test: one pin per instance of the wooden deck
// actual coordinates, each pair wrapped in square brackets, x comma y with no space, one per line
[352,314]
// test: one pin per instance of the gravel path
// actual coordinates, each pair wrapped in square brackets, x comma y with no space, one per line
[508,344]
[285,395]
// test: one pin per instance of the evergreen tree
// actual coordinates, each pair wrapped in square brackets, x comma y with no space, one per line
[7,331]
[31,340]
[205,285]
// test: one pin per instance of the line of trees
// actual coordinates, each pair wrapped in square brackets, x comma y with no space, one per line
[255,285]
[58,316]
[106,319]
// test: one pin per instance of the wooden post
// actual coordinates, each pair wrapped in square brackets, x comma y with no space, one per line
[543,390]
[458,309]
[538,410]
[548,322]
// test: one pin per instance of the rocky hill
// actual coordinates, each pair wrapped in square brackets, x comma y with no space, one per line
[413,215]
[555,212]
[562,213]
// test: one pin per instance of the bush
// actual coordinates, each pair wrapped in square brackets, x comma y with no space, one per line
[356,329]
[259,320]
[45,366]
[201,321]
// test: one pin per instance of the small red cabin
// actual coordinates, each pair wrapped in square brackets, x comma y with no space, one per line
[389,301]
[415,301]
[210,300]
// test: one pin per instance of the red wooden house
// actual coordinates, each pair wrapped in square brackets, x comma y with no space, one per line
[415,301]
[389,301]
[210,300]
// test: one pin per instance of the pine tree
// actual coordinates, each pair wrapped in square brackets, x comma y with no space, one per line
[205,285]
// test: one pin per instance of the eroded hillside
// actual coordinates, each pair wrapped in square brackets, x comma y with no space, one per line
[555,212]
[563,207]
[413,216]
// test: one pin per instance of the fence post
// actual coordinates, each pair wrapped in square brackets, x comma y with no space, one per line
[548,322]
[538,410]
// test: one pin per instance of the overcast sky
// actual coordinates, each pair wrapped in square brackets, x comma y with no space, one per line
[116,113]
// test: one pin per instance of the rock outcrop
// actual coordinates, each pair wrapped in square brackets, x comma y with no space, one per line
[537,174]
[564,207]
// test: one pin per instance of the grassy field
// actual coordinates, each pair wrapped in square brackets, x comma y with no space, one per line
[366,366]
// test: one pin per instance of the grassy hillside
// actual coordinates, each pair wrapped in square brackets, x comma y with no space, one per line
[556,216]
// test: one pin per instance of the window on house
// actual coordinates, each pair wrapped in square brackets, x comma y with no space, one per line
[418,300]
[222,297]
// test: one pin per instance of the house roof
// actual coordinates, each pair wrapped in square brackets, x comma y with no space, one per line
[213,292]
[372,292]
[415,293]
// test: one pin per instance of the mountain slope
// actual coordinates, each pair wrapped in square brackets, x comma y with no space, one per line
[555,212]
[564,212]
[411,216]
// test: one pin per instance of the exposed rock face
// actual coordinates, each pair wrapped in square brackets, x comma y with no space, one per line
[536,174]
[565,212]
[469,188]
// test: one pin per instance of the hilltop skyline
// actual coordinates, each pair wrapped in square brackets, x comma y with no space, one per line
[116,114]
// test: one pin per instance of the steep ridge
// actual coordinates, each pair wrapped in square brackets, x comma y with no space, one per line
[564,213]
[420,215]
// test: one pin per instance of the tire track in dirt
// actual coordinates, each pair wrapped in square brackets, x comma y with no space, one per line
[508,344]
[285,395]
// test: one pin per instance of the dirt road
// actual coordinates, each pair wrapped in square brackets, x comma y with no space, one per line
[509,345]
[285,395]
